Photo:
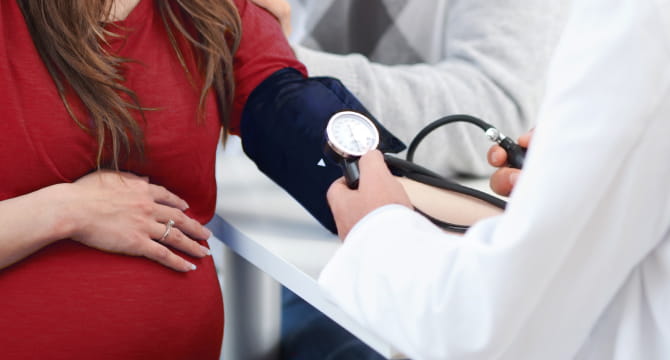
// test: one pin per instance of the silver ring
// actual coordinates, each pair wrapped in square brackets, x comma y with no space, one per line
[168,227]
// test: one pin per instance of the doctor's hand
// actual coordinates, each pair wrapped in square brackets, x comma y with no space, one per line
[503,180]
[123,213]
[281,9]
[376,188]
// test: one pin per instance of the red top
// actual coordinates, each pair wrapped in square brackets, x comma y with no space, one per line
[69,301]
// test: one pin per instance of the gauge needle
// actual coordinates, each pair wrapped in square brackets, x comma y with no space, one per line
[353,136]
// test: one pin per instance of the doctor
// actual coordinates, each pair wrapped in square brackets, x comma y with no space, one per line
[579,264]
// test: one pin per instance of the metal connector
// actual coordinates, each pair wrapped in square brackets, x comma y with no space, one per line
[495,135]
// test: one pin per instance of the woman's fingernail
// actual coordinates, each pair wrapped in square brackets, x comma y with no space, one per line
[206,250]
[191,267]
[185,206]
[513,177]
[208,233]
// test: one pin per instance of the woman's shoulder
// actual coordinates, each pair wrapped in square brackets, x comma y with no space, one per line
[263,50]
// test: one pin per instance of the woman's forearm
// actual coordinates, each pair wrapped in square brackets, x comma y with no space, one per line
[110,211]
[32,221]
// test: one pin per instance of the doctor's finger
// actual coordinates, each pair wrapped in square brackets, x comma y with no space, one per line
[502,181]
[525,139]
[497,156]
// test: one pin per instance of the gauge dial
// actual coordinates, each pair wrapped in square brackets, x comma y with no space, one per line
[351,134]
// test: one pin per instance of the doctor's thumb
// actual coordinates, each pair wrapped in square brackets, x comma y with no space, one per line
[373,164]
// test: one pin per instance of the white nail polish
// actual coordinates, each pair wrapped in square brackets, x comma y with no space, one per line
[207,250]
[193,267]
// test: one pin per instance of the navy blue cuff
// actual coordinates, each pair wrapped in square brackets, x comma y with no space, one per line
[283,131]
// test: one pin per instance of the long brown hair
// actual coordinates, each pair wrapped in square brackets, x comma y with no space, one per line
[69,36]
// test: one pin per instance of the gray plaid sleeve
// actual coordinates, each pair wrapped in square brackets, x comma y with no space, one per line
[418,60]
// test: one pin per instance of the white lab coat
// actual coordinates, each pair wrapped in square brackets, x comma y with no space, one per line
[579,264]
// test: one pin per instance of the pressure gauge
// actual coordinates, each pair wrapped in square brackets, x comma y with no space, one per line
[350,135]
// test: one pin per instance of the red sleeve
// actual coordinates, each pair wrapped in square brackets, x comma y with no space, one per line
[263,50]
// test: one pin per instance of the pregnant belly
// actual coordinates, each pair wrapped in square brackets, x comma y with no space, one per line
[69,301]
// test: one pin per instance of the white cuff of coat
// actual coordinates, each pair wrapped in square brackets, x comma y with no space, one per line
[380,241]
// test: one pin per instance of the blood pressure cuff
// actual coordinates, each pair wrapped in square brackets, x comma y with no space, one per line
[283,131]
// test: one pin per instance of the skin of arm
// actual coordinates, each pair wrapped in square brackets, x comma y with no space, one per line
[379,188]
[109,211]
[22,235]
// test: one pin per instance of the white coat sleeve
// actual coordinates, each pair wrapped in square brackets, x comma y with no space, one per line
[590,204]
[494,59]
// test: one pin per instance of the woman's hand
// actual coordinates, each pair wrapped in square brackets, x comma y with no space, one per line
[377,187]
[123,213]
[503,180]
[281,9]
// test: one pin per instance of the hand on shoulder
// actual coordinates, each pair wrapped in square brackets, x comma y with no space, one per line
[281,9]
